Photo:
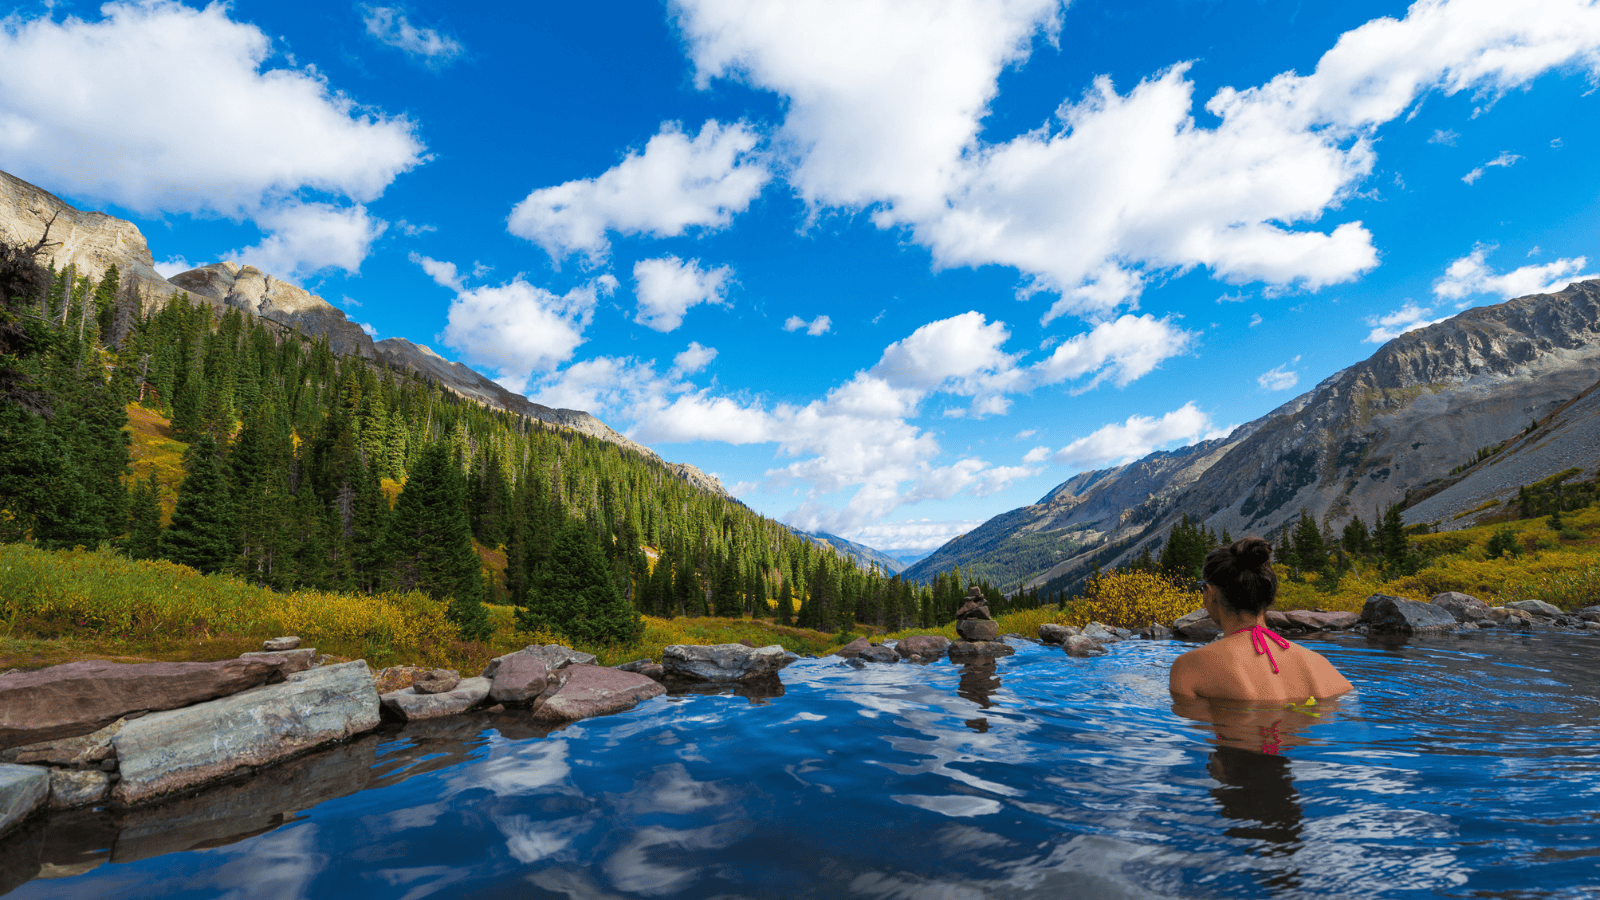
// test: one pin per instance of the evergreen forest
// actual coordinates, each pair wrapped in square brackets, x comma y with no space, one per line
[305,469]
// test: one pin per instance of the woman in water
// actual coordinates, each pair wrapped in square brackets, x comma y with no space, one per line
[1249,662]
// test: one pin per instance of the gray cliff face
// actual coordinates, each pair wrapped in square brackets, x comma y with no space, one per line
[1362,439]
[91,241]
[463,381]
[259,294]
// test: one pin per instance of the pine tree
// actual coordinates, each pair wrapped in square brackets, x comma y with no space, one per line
[202,534]
[144,519]
[430,545]
[1309,547]
[786,602]
[578,597]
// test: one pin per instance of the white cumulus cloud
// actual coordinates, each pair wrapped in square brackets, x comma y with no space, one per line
[111,89]
[885,99]
[693,359]
[518,329]
[678,182]
[1139,436]
[1471,275]
[668,287]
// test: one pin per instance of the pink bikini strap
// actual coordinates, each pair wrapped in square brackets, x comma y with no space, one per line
[1258,640]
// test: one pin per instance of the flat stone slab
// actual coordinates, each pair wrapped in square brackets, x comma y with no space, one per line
[970,649]
[23,789]
[554,656]
[1321,621]
[295,660]
[169,751]
[280,644]
[596,691]
[723,662]
[81,697]
[412,707]
[83,750]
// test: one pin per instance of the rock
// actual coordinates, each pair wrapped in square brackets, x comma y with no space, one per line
[83,750]
[1277,620]
[646,667]
[69,788]
[80,697]
[176,749]
[436,681]
[294,660]
[396,678]
[723,662]
[279,644]
[23,789]
[1156,632]
[970,649]
[923,646]
[1196,626]
[1094,631]
[1402,616]
[1589,614]
[879,654]
[1083,645]
[1051,633]
[853,649]
[596,691]
[1537,607]
[410,706]
[554,656]
[520,678]
[275,300]
[1321,621]
[1463,607]
[1499,614]
[978,629]
[972,609]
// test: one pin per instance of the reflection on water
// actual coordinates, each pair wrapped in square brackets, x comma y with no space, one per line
[1036,775]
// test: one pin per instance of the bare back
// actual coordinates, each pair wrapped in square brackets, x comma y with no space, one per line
[1230,668]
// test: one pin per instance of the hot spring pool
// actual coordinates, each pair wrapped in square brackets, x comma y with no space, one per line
[1462,767]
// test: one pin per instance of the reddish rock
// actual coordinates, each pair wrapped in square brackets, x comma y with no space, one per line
[81,697]
[853,649]
[520,678]
[973,609]
[924,646]
[1321,621]
[294,660]
[396,678]
[596,691]
[1280,621]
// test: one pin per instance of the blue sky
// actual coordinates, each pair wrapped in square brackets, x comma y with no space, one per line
[886,267]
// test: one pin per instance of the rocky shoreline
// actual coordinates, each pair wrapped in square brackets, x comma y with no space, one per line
[124,736]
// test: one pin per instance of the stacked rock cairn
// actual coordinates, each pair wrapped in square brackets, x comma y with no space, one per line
[980,633]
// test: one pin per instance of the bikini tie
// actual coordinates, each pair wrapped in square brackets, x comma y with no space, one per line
[1258,640]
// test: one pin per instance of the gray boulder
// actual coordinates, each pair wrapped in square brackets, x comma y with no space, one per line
[976,629]
[723,662]
[410,706]
[1051,633]
[589,691]
[78,787]
[1589,613]
[1312,620]
[280,644]
[923,647]
[1537,607]
[1383,613]
[1464,607]
[554,656]
[81,697]
[520,678]
[1196,626]
[1155,632]
[649,668]
[1094,631]
[975,649]
[84,750]
[23,789]
[172,750]
[879,654]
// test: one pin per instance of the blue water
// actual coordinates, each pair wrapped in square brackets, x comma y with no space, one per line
[1462,767]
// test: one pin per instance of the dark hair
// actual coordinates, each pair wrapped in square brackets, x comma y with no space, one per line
[1243,573]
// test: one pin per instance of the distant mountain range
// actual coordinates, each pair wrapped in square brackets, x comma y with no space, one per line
[1389,429]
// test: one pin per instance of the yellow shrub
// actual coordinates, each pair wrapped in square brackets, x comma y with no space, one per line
[379,622]
[1129,598]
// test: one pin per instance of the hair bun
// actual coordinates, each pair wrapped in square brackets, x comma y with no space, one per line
[1252,552]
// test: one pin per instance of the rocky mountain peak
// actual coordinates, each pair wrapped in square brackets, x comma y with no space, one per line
[275,300]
